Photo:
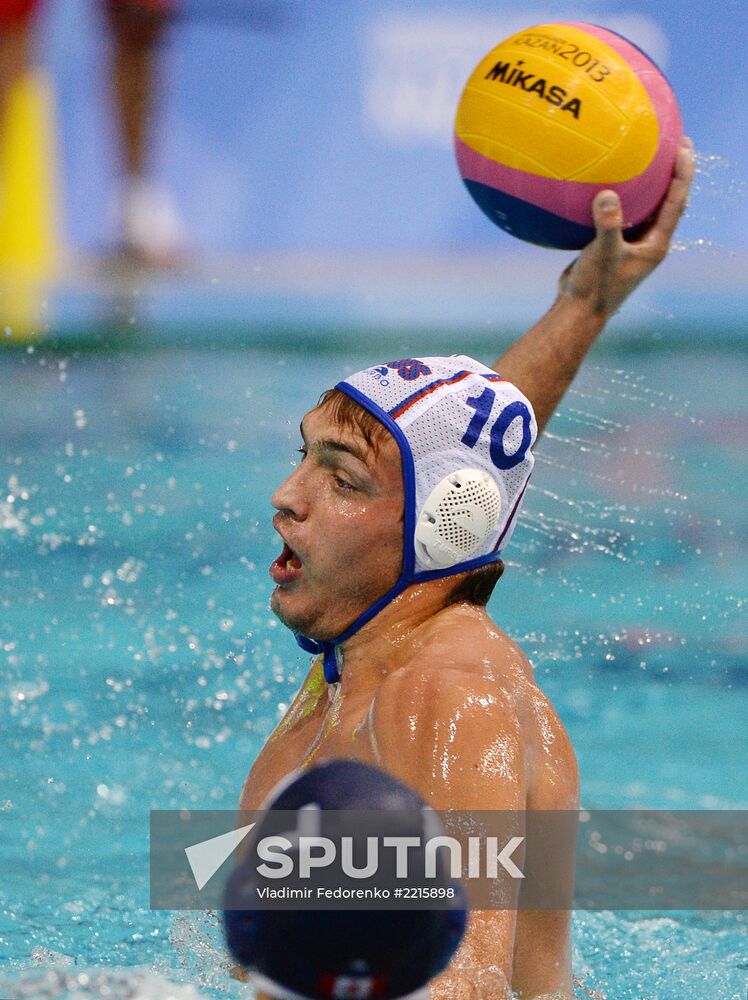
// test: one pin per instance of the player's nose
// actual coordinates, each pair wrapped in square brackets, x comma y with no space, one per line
[291,497]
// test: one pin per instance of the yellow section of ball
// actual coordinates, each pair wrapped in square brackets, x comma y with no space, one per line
[555,101]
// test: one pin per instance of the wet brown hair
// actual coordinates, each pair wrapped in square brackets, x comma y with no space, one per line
[477,585]
[474,587]
[349,414]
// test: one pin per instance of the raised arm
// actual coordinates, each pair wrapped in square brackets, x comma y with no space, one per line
[545,360]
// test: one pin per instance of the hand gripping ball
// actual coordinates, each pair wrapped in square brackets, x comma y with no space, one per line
[555,114]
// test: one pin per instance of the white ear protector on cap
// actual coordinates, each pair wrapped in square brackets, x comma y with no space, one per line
[457,518]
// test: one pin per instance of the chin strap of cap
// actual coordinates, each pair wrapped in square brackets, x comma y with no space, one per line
[330,649]
[329,657]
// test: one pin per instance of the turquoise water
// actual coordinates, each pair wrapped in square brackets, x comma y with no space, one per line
[142,668]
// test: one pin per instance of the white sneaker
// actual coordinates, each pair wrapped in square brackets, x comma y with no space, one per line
[152,232]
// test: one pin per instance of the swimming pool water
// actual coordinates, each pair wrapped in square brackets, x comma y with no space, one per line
[142,668]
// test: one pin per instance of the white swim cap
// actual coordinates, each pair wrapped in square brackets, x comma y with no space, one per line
[465,436]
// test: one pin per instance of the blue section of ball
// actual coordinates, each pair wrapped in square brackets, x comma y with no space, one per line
[528,222]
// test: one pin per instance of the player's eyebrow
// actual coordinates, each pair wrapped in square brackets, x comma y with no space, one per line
[335,445]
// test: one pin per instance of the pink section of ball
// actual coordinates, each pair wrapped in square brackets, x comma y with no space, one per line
[655,84]
[658,89]
[572,200]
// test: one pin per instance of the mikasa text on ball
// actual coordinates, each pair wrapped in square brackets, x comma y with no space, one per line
[555,114]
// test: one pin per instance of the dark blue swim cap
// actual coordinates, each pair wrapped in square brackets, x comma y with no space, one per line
[380,954]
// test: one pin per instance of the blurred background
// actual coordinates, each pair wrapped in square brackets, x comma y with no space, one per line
[295,164]
[210,211]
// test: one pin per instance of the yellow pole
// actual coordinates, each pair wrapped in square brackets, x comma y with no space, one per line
[28,207]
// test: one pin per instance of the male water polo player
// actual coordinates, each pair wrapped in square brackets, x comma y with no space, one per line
[393,528]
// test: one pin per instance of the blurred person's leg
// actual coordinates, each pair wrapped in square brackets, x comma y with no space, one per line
[151,231]
[15,42]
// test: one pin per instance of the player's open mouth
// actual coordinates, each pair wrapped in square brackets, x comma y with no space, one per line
[286,567]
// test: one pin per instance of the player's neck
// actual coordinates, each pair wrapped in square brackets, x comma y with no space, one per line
[388,640]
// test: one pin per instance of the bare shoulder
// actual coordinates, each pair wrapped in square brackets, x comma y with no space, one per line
[441,719]
[465,707]
[466,644]
[469,638]
[460,654]
[441,732]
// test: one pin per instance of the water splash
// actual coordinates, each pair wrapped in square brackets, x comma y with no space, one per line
[94,984]
[716,188]
[621,500]
[197,940]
